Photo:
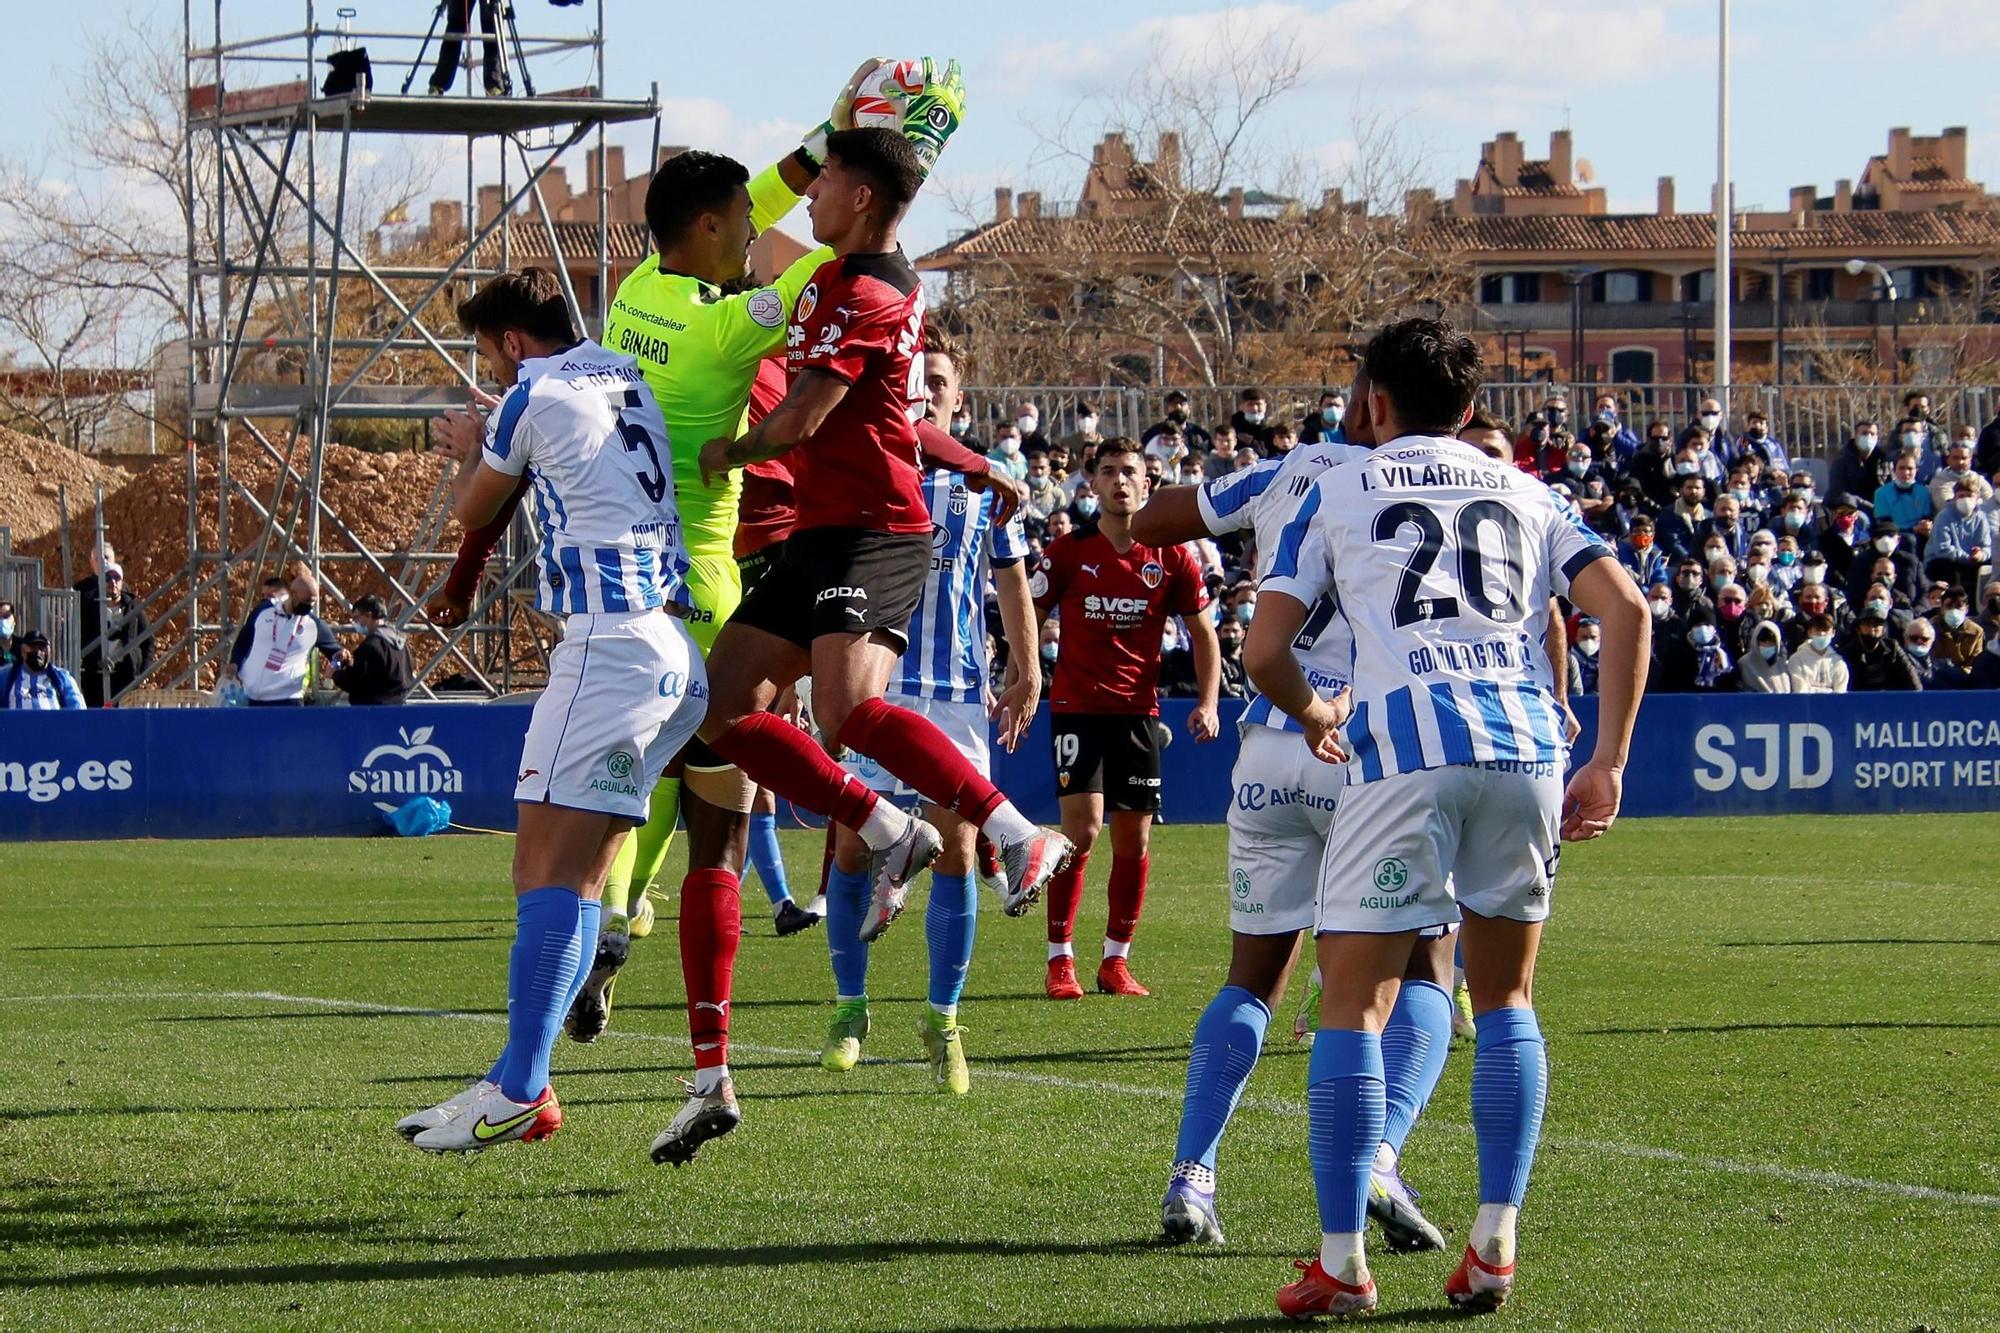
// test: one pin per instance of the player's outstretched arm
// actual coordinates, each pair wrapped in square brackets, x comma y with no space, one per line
[1021,692]
[1171,515]
[813,395]
[1602,589]
[1271,667]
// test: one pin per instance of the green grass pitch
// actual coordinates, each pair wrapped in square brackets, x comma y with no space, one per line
[1775,1105]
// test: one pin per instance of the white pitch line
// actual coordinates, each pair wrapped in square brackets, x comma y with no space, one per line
[1278,1106]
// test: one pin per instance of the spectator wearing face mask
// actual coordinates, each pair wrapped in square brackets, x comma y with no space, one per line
[1958,467]
[1530,443]
[1814,666]
[1168,449]
[1326,424]
[1707,451]
[1660,602]
[1787,569]
[114,634]
[1045,493]
[1900,498]
[1877,600]
[1028,420]
[1844,535]
[1794,519]
[1086,434]
[1652,468]
[1862,466]
[273,650]
[1562,435]
[1732,617]
[1177,675]
[961,427]
[1962,540]
[379,672]
[1726,525]
[1764,667]
[1918,639]
[1960,639]
[1875,661]
[1253,420]
[1641,555]
[1006,455]
[1886,542]
[33,682]
[1678,525]
[7,628]
[1690,597]
[1810,602]
[1757,444]
[1583,651]
[1697,662]
[1707,420]
[1623,444]
[1177,416]
[1576,468]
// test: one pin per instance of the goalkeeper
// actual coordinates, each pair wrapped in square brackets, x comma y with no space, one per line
[699,350]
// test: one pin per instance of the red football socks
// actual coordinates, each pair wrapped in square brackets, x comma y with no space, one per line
[778,755]
[914,750]
[1128,896]
[1065,895]
[711,928]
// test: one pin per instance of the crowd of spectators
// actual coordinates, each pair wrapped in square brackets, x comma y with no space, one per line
[1761,578]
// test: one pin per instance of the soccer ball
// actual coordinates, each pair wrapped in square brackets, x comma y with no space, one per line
[884,93]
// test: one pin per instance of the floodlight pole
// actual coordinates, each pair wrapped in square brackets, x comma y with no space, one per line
[1724,215]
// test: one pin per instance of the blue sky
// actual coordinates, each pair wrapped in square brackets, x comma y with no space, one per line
[1817,82]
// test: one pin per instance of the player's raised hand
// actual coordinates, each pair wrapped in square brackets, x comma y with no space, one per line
[934,113]
[1008,495]
[459,434]
[842,116]
[1591,802]
[447,611]
[1203,723]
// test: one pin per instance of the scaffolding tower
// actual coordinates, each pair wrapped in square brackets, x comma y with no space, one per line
[286,250]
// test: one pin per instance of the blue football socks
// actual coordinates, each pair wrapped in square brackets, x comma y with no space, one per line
[846,904]
[766,859]
[1509,1093]
[1345,1107]
[547,956]
[949,921]
[1227,1040]
[1414,1045]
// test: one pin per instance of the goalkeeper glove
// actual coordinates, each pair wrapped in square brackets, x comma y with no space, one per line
[933,114]
[813,148]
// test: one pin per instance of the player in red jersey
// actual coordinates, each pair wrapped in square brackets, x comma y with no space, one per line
[839,598]
[1114,595]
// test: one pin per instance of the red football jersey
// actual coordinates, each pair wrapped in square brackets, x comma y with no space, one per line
[862,318]
[764,512]
[1113,610]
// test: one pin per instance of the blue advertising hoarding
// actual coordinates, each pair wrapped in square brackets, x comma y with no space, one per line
[229,772]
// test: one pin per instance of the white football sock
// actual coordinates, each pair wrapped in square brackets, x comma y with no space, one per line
[1007,826]
[1117,948]
[885,824]
[1385,1157]
[1493,1233]
[1063,950]
[1340,1254]
[707,1080]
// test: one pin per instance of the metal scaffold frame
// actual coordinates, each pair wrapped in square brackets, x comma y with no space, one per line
[285,246]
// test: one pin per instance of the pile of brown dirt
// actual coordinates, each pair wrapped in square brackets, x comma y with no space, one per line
[382,498]
[33,473]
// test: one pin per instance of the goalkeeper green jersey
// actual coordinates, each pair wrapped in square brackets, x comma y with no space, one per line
[699,351]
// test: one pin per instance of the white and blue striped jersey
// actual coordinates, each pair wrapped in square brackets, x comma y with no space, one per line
[588,433]
[946,658]
[1263,499]
[1443,562]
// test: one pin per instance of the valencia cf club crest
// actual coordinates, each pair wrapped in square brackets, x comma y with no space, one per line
[1152,574]
[1062,779]
[807,300]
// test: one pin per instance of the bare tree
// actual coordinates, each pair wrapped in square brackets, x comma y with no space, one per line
[1219,261]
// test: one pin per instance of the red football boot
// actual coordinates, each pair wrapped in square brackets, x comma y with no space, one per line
[1316,1293]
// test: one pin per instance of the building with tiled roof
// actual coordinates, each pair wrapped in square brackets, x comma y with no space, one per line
[573,214]
[1559,282]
